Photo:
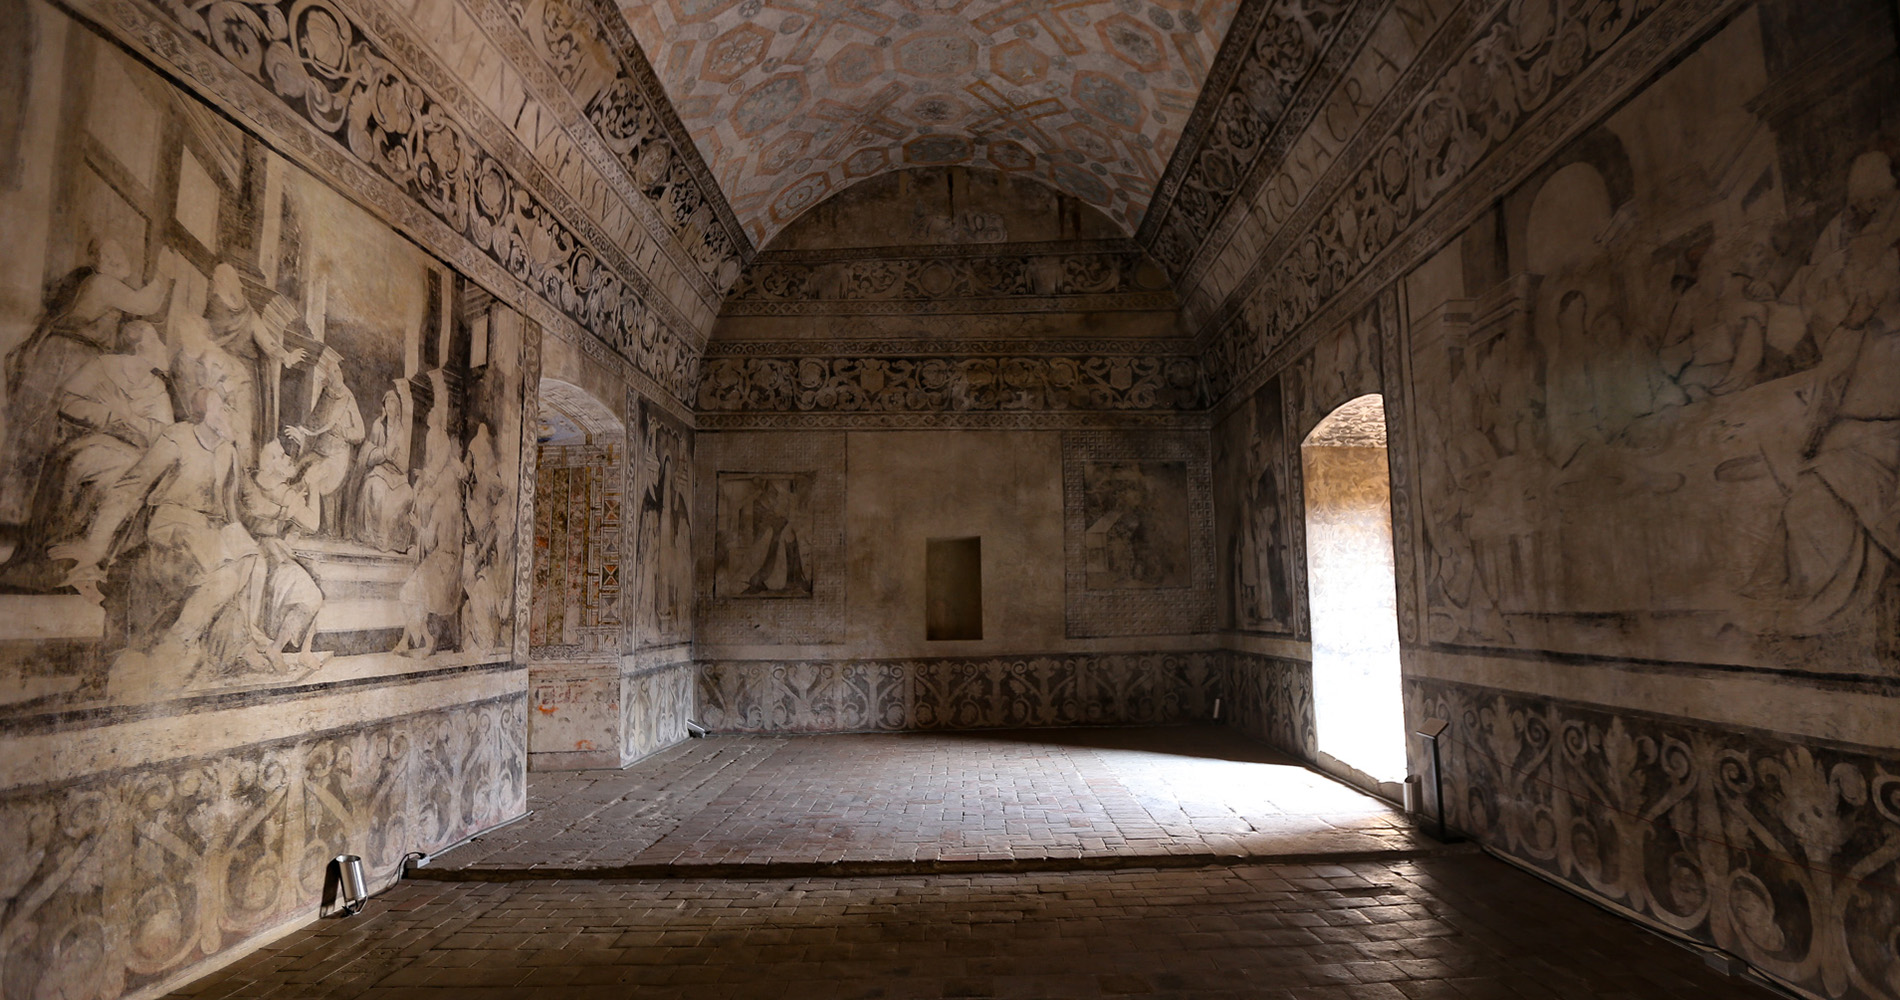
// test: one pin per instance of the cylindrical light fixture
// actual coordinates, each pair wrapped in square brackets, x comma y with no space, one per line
[349,870]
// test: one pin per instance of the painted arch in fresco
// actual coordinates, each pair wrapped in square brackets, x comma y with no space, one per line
[1657,417]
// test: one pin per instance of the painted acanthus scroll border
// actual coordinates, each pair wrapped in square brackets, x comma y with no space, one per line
[346,111]
[1286,58]
[1398,214]
[913,282]
[950,384]
[1783,852]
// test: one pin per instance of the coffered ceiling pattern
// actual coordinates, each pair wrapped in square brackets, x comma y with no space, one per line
[793,100]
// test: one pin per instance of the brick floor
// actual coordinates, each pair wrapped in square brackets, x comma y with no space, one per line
[1460,927]
[1382,915]
[1118,793]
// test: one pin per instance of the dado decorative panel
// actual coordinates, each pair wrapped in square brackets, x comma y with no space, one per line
[1271,699]
[119,880]
[1781,851]
[958,692]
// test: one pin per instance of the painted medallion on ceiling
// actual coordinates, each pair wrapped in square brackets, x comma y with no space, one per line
[793,100]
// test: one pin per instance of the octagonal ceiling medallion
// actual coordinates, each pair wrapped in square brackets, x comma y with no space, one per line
[791,100]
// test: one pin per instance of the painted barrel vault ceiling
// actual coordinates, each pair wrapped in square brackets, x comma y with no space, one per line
[791,101]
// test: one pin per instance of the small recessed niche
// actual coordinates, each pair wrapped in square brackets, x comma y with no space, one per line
[953,588]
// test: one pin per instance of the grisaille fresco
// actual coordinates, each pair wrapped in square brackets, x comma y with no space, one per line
[1137,517]
[1671,430]
[1635,319]
[256,449]
[1777,852]
[248,430]
[663,523]
[759,547]
[1252,525]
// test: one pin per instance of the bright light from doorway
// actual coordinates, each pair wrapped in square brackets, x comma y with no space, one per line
[1356,698]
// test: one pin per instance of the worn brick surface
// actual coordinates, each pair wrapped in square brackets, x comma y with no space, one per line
[1446,928]
[939,797]
[1394,926]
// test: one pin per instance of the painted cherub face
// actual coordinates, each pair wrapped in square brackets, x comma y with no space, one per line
[273,465]
[1870,182]
[110,260]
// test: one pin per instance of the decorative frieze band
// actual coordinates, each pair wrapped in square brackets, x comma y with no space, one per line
[999,281]
[1443,160]
[914,346]
[636,77]
[538,88]
[312,62]
[1282,57]
[950,384]
[966,420]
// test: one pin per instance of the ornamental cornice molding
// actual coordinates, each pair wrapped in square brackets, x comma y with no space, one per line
[639,74]
[451,195]
[961,421]
[421,63]
[897,346]
[1273,79]
[1319,283]
[950,384]
[501,20]
[1113,245]
[1137,302]
[1029,278]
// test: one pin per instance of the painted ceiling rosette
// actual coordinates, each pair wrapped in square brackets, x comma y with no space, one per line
[791,101]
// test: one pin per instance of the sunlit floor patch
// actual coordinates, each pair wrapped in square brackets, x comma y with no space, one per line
[1118,793]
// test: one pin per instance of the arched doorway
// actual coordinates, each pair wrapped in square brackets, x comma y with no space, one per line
[576,621]
[1356,699]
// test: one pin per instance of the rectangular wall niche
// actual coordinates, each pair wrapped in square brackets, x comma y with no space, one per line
[953,588]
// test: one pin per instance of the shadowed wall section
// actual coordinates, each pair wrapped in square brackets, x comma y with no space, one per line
[944,354]
[1629,285]
[265,475]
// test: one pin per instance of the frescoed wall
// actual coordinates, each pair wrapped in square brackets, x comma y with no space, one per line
[953,353]
[1629,285]
[610,672]
[252,437]
[261,465]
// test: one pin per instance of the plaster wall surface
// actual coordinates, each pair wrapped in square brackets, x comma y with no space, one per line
[1630,304]
[952,353]
[902,489]
[266,461]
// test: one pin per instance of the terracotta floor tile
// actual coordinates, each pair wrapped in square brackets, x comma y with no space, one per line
[1374,926]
